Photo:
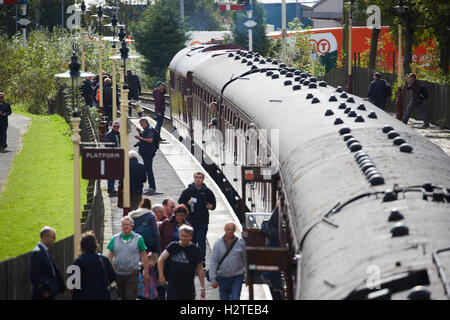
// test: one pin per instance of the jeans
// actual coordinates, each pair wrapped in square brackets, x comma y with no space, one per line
[199,238]
[180,292]
[159,121]
[230,288]
[148,163]
[413,104]
[111,184]
[127,286]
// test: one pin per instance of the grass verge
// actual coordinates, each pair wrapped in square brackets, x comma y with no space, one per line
[39,188]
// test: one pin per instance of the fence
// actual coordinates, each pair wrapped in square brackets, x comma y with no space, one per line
[15,273]
[437,105]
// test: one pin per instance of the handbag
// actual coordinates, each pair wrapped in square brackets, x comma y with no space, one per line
[111,287]
[221,260]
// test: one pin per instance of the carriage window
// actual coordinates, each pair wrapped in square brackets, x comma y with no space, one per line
[172,79]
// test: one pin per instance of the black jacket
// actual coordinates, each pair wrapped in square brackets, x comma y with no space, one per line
[134,85]
[5,107]
[138,176]
[146,148]
[93,277]
[113,136]
[41,274]
[200,215]
[378,91]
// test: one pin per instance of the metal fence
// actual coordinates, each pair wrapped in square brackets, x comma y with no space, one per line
[15,273]
[437,105]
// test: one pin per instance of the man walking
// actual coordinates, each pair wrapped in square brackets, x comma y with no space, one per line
[5,111]
[183,259]
[126,250]
[147,150]
[160,104]
[46,281]
[88,91]
[169,207]
[199,199]
[379,91]
[113,136]
[228,264]
[415,102]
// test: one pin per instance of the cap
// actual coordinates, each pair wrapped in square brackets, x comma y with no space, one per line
[159,83]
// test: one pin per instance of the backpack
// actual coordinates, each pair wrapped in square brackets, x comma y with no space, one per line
[388,90]
[142,227]
[423,92]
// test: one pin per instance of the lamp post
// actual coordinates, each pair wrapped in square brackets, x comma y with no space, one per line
[102,126]
[83,30]
[349,79]
[121,35]
[124,56]
[283,31]
[114,90]
[399,100]
[74,74]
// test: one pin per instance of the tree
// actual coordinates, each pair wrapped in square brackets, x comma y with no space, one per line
[201,15]
[261,42]
[159,35]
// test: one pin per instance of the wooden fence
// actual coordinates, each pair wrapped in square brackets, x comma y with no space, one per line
[15,273]
[437,105]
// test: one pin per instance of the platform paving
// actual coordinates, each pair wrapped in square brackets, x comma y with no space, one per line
[173,167]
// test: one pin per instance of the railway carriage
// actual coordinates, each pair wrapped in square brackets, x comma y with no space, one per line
[364,199]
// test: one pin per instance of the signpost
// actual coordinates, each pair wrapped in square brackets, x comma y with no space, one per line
[102,163]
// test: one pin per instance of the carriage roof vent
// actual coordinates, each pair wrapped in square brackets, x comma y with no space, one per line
[351,100]
[254,67]
[230,55]
[297,72]
[329,112]
[347,110]
[339,89]
[315,100]
[393,134]
[332,98]
[275,76]
[376,180]
[249,63]
[359,119]
[296,87]
[399,230]
[312,85]
[398,141]
[306,82]
[269,59]
[289,75]
[395,215]
[269,73]
[419,293]
[342,105]
[256,59]
[309,96]
[262,61]
[297,78]
[361,107]
[313,79]
[386,129]
[282,65]
[344,130]
[406,148]
[287,82]
[372,115]
[274,62]
[346,136]
[338,121]
[322,84]
[303,75]
[343,95]
[283,71]
[237,58]
[244,60]
[352,114]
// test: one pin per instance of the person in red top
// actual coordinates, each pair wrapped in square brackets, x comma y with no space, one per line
[414,85]
[168,230]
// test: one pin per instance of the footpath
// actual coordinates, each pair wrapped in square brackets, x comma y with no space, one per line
[17,126]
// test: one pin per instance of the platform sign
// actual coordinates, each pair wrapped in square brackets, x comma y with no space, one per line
[102,163]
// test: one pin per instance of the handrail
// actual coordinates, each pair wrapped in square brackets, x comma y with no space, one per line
[441,270]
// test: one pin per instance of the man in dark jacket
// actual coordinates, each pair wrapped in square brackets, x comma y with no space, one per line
[137,180]
[378,91]
[108,100]
[5,111]
[147,150]
[46,281]
[160,104]
[415,102]
[88,91]
[199,199]
[113,136]
[134,87]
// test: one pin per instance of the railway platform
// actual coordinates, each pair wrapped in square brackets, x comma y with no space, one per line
[173,167]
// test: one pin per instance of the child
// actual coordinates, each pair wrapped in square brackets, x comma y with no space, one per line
[147,290]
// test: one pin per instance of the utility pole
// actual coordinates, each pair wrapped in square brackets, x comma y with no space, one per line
[283,31]
[182,10]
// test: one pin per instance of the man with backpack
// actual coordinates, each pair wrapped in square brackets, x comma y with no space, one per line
[419,93]
[379,91]
[148,145]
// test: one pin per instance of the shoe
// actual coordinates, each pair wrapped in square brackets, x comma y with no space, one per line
[162,139]
[425,126]
[112,193]
[149,191]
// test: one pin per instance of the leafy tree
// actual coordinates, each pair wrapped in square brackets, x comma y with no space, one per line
[200,15]
[159,35]
[261,42]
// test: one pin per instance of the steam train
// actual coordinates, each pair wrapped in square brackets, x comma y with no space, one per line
[364,200]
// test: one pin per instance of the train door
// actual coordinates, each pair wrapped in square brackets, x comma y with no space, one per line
[189,104]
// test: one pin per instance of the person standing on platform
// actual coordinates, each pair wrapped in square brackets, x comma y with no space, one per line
[416,101]
[145,225]
[88,90]
[169,207]
[158,210]
[228,264]
[379,91]
[134,88]
[199,199]
[160,104]
[46,280]
[169,229]
[5,112]
[147,150]
[126,250]
[137,179]
[184,260]
[113,136]
[96,271]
